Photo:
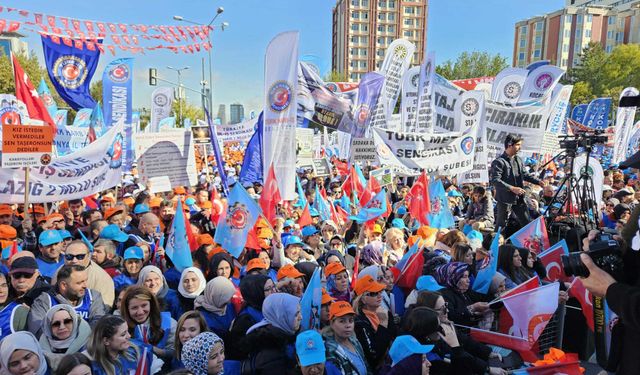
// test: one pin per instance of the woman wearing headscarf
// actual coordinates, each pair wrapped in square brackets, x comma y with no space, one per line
[254,288]
[465,306]
[392,295]
[63,332]
[222,265]
[214,305]
[204,354]
[152,278]
[20,354]
[191,285]
[531,265]
[271,342]
[372,254]
[13,315]
[338,282]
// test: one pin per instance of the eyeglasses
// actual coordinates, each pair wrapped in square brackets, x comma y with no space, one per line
[22,275]
[373,294]
[58,323]
[444,307]
[77,256]
[270,289]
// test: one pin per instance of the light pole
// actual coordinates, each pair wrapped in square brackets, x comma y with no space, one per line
[179,71]
[224,25]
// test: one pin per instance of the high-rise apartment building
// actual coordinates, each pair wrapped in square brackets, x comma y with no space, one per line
[363,29]
[561,36]
[222,114]
[236,113]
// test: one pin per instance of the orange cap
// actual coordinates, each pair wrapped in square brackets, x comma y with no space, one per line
[109,212]
[55,215]
[179,190]
[7,232]
[326,298]
[288,271]
[204,239]
[334,269]
[5,209]
[256,263]
[206,205]
[155,202]
[107,198]
[340,308]
[129,201]
[37,210]
[64,205]
[367,284]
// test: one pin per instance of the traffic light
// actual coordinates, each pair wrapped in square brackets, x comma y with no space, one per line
[153,76]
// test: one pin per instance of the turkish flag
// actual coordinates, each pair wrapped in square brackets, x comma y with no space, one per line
[418,199]
[583,296]
[26,93]
[270,196]
[522,346]
[552,261]
[305,218]
[505,321]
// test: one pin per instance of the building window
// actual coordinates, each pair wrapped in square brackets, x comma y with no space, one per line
[409,10]
[381,28]
[381,16]
[354,27]
[521,56]
[611,20]
[355,14]
[363,52]
[354,39]
[382,4]
[567,33]
[609,48]
[391,16]
[391,29]
[523,43]
[364,28]
[408,22]
[380,40]
[536,53]
[355,3]
[365,15]
[578,33]
[610,34]
[589,17]
[587,33]
[408,33]
[539,26]
[365,3]
[579,18]
[380,53]
[565,48]
[392,4]
[538,39]
[564,62]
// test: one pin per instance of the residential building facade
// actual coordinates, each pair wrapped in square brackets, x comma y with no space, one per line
[236,113]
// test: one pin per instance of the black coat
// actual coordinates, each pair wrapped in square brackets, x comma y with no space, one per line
[503,177]
[272,352]
[374,343]
[458,302]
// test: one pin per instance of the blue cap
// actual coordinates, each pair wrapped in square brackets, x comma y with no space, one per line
[398,223]
[474,235]
[141,209]
[454,193]
[113,232]
[65,234]
[190,201]
[429,283]
[7,251]
[310,348]
[402,210]
[313,212]
[309,230]
[133,252]
[405,346]
[288,223]
[293,240]
[49,237]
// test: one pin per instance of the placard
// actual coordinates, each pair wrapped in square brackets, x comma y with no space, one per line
[384,176]
[26,145]
[321,167]
[363,150]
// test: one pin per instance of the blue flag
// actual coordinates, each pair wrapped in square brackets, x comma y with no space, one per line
[251,170]
[302,198]
[488,267]
[61,117]
[597,113]
[177,247]
[363,180]
[320,205]
[45,94]
[83,118]
[405,258]
[235,223]
[373,209]
[97,121]
[578,112]
[217,154]
[369,91]
[70,70]
[117,81]
[167,123]
[440,215]
[311,303]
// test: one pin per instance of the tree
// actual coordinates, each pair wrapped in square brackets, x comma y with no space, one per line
[471,65]
[189,111]
[582,93]
[590,68]
[335,76]
[96,91]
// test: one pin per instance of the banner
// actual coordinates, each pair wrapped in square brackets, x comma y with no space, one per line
[594,169]
[597,114]
[83,118]
[166,159]
[74,176]
[70,139]
[409,101]
[527,122]
[370,88]
[559,109]
[47,99]
[279,139]
[540,83]
[60,117]
[470,114]
[508,84]
[117,82]
[439,154]
[424,117]
[363,151]
[395,64]
[579,112]
[240,132]
[161,100]
[623,127]
[445,100]
[70,70]
[304,141]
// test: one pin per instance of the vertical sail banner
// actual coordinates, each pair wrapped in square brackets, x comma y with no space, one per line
[445,99]
[279,142]
[117,82]
[424,117]
[370,88]
[559,109]
[507,86]
[540,83]
[624,127]
[470,114]
[409,102]
[161,100]
[395,64]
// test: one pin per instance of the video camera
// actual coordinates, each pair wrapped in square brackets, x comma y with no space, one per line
[605,252]
[585,140]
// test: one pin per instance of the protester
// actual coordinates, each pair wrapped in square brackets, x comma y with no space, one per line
[192,284]
[21,354]
[13,315]
[63,332]
[215,305]
[204,354]
[465,306]
[190,325]
[153,279]
[343,348]
[74,364]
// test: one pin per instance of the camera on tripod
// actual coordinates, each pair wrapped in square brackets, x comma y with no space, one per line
[605,252]
[584,140]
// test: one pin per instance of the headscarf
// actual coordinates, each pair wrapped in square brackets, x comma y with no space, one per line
[335,293]
[449,274]
[307,268]
[252,289]
[199,275]
[497,279]
[217,295]
[195,352]
[21,340]
[372,271]
[215,262]
[335,253]
[372,253]
[145,271]
[280,311]
[46,328]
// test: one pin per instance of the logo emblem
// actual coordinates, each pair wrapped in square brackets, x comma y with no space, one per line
[45,159]
[512,90]
[331,87]
[383,151]
[436,206]
[47,99]
[534,243]
[401,51]
[470,107]
[280,96]
[115,152]
[160,100]
[362,113]
[70,71]
[237,216]
[119,73]
[467,145]
[543,81]
[9,116]
[415,80]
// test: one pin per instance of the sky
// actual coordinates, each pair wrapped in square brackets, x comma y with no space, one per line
[454,26]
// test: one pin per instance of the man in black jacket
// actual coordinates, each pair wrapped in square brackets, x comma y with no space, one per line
[507,175]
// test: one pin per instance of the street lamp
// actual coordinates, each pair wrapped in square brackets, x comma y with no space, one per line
[224,25]
[179,71]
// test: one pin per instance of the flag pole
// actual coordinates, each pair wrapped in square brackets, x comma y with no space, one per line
[27,189]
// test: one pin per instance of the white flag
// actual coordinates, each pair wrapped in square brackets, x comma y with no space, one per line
[540,83]
[424,117]
[161,100]
[624,127]
[409,101]
[508,84]
[532,310]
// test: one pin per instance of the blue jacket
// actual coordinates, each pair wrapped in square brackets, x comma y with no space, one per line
[171,304]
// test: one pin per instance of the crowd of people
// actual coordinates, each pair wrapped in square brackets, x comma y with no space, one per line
[86,286]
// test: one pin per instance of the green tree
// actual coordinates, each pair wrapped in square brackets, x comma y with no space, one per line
[471,65]
[96,91]
[590,68]
[335,76]
[582,93]
[189,111]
